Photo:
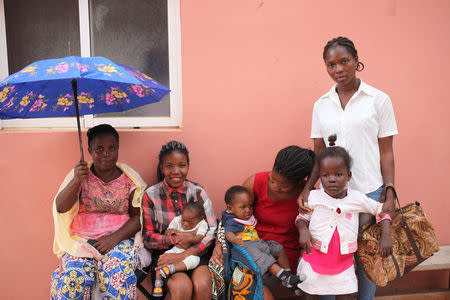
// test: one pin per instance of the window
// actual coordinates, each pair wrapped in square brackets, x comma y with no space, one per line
[139,33]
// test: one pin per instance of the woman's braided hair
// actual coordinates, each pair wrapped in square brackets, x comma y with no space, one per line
[348,44]
[172,146]
[294,163]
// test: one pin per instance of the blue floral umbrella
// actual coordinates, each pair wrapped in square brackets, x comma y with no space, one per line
[74,86]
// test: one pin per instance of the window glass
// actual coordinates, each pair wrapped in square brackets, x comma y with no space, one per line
[133,33]
[40,29]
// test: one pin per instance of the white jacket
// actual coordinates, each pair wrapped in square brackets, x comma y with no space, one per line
[329,213]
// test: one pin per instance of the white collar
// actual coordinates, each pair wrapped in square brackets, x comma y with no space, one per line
[363,87]
[250,222]
[328,197]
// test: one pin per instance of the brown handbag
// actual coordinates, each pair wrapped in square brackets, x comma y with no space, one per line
[413,241]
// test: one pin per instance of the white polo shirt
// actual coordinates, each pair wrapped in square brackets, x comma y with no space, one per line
[367,116]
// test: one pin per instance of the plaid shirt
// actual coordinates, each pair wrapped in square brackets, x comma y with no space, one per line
[161,204]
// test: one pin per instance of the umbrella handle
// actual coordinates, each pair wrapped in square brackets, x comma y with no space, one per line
[75,96]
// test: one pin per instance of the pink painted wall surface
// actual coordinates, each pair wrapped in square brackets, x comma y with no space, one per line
[251,73]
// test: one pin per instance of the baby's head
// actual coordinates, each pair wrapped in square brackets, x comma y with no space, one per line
[239,202]
[193,213]
[334,170]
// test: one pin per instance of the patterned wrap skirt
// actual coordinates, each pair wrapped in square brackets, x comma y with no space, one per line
[84,278]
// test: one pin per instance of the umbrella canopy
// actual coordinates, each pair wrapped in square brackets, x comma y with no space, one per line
[43,89]
[74,86]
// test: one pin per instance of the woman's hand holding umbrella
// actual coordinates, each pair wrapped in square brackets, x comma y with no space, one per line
[67,197]
[81,172]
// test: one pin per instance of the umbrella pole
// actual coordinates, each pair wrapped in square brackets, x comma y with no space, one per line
[75,96]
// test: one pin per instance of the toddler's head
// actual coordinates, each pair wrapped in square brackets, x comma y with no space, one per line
[239,202]
[334,170]
[193,213]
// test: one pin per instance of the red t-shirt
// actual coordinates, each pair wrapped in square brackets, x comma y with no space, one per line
[276,219]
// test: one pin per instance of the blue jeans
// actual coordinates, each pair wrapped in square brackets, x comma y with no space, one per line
[366,288]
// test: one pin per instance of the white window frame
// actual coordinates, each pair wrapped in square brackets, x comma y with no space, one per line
[175,77]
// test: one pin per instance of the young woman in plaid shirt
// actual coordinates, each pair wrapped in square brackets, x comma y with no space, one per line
[164,201]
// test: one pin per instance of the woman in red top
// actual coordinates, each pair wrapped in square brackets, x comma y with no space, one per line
[275,205]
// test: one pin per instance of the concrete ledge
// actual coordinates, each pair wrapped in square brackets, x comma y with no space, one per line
[439,261]
[418,295]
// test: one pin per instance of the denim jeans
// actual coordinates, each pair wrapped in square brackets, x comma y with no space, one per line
[366,288]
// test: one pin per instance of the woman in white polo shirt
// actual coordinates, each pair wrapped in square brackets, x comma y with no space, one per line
[363,119]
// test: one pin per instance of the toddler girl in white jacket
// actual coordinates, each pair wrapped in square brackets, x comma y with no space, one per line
[329,234]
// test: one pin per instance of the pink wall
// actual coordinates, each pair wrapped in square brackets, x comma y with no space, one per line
[251,72]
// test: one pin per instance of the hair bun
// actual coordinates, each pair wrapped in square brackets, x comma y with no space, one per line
[332,139]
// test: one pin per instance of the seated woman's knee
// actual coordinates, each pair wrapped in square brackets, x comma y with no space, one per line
[202,285]
[201,280]
[180,286]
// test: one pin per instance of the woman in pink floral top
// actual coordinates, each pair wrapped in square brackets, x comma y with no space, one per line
[102,199]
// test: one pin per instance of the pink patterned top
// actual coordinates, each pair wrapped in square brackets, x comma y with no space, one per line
[103,206]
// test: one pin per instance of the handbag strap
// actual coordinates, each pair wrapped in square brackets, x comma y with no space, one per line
[384,193]
[411,239]
[397,268]
[403,222]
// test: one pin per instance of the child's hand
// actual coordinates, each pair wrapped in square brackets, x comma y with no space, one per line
[170,237]
[239,241]
[385,246]
[169,231]
[235,239]
[305,240]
